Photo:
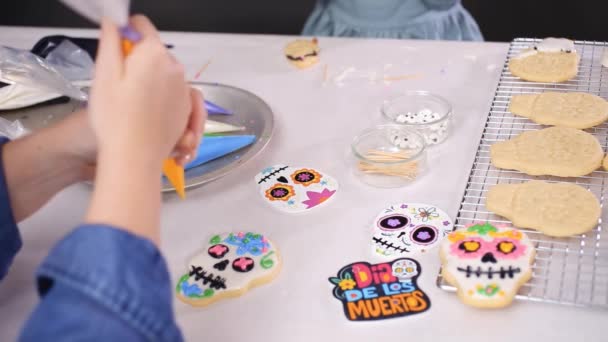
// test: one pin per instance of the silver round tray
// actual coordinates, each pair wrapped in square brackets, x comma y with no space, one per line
[249,111]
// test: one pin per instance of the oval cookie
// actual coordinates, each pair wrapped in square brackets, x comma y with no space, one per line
[228,266]
[551,60]
[555,209]
[487,264]
[576,110]
[555,151]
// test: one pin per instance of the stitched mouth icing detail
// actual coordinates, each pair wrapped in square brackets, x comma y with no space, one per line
[502,272]
[215,282]
[389,245]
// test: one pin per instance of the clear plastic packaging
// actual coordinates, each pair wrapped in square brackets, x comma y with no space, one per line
[12,129]
[428,114]
[389,156]
[71,61]
[25,68]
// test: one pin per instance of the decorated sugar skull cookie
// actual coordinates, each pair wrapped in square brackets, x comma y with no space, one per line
[487,264]
[295,189]
[228,266]
[409,228]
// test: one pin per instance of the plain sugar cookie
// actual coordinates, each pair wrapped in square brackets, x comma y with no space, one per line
[554,151]
[576,110]
[555,209]
[487,264]
[229,265]
[552,60]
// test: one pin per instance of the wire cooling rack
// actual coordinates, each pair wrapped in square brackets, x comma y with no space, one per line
[569,271]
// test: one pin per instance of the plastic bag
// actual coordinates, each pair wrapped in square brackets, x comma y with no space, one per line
[25,68]
[71,61]
[12,130]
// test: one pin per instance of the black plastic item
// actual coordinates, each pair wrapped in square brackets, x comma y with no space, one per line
[47,44]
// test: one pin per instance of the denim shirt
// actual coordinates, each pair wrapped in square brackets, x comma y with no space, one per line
[99,283]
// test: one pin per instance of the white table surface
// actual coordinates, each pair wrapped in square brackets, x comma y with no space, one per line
[314,125]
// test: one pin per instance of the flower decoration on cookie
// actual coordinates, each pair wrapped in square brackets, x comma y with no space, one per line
[316,198]
[254,244]
[306,177]
[280,192]
[426,214]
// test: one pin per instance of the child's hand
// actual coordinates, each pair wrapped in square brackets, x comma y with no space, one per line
[140,104]
[141,110]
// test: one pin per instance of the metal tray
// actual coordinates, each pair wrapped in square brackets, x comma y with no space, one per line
[249,111]
[572,270]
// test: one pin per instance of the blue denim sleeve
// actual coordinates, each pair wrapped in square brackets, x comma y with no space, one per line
[102,284]
[10,240]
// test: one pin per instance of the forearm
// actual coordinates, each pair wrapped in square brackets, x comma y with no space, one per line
[37,167]
[128,193]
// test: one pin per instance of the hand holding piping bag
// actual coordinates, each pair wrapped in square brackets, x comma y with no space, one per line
[153,111]
[173,168]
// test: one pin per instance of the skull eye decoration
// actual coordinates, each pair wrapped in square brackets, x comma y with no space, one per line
[280,192]
[295,190]
[306,177]
[403,229]
[487,264]
[230,265]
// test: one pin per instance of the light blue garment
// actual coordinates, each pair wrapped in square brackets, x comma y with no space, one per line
[399,19]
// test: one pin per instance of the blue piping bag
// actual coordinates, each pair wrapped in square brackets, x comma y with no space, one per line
[216,147]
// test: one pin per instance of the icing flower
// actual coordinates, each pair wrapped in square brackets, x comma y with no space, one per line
[316,198]
[482,229]
[488,290]
[426,214]
[306,177]
[280,192]
[393,222]
[191,290]
[347,284]
[254,244]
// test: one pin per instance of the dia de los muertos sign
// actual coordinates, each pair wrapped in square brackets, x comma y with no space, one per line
[379,291]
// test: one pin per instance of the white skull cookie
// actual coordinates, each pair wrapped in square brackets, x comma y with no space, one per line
[295,189]
[229,265]
[409,228]
[487,264]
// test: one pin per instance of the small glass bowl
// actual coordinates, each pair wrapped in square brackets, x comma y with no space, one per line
[388,156]
[422,111]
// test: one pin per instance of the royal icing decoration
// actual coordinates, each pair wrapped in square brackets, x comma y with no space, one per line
[295,189]
[387,290]
[486,263]
[229,264]
[550,45]
[409,228]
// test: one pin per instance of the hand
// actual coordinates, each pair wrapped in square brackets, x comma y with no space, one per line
[141,109]
[140,105]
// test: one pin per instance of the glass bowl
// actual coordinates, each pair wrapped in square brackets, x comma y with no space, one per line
[428,114]
[388,156]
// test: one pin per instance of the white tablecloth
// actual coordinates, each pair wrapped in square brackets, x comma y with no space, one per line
[314,126]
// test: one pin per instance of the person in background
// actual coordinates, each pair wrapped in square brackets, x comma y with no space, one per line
[399,19]
[106,280]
